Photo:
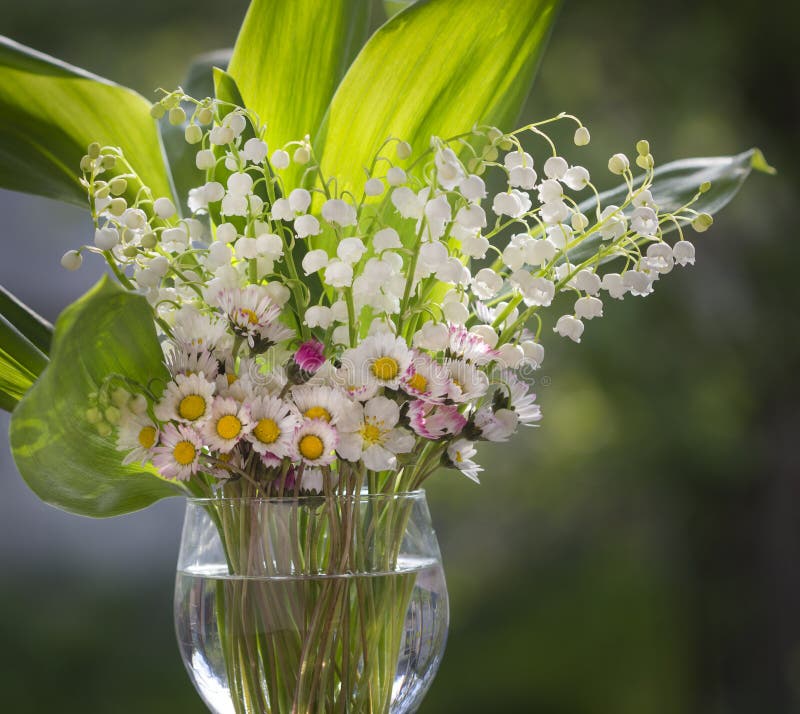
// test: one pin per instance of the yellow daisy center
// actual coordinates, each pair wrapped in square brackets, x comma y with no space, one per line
[385,368]
[418,383]
[147,437]
[317,413]
[184,452]
[192,407]
[311,447]
[229,427]
[371,434]
[267,431]
[252,318]
[231,378]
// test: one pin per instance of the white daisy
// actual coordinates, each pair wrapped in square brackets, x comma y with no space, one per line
[274,423]
[312,481]
[196,331]
[425,378]
[249,310]
[314,442]
[137,435]
[460,453]
[370,433]
[187,399]
[178,453]
[467,382]
[320,403]
[382,359]
[188,362]
[228,425]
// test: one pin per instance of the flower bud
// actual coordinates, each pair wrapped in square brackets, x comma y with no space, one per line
[396,176]
[494,134]
[205,160]
[403,150]
[301,156]
[280,159]
[118,206]
[94,150]
[130,251]
[177,116]
[101,189]
[705,187]
[645,162]
[490,154]
[618,164]
[193,134]
[582,136]
[157,111]
[149,241]
[117,186]
[106,238]
[643,147]
[109,162]
[205,115]
[103,429]
[87,163]
[164,208]
[373,187]
[72,260]
[702,222]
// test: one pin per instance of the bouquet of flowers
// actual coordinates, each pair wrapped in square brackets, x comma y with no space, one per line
[331,304]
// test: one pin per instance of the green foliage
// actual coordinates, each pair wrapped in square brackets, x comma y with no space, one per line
[24,343]
[58,452]
[289,58]
[675,184]
[437,68]
[50,112]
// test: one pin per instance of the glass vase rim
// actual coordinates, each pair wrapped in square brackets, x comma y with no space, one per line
[416,494]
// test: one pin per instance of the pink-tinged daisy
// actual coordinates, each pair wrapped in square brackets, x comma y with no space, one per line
[460,454]
[380,359]
[274,423]
[425,378]
[178,453]
[228,424]
[189,362]
[314,443]
[470,346]
[467,382]
[320,403]
[496,426]
[187,399]
[433,421]
[516,395]
[249,310]
[138,434]
[370,433]
[310,356]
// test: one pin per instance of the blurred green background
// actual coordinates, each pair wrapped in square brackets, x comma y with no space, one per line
[639,553]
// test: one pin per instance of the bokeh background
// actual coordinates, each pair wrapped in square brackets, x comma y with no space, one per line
[640,551]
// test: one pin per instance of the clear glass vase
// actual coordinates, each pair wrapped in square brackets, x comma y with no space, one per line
[311,604]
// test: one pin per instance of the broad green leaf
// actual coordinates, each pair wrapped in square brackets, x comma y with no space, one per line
[58,452]
[199,83]
[289,58]
[33,326]
[21,362]
[50,112]
[436,68]
[392,7]
[674,184]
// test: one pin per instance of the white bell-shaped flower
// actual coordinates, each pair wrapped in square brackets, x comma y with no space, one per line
[587,308]
[569,326]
